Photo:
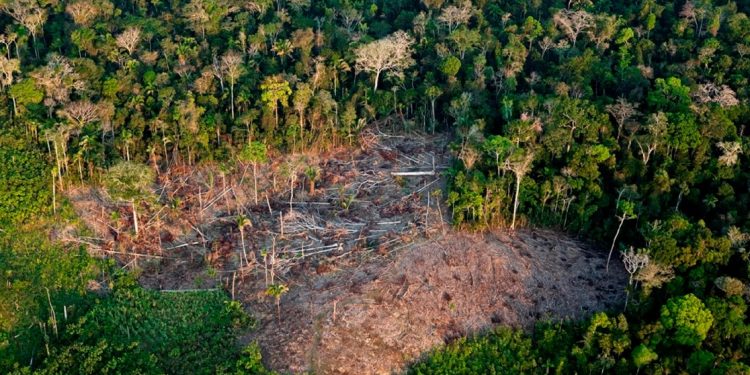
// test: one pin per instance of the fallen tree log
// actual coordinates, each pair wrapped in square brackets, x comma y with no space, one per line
[414,173]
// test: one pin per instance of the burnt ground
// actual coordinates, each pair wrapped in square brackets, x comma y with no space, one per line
[375,275]
[375,317]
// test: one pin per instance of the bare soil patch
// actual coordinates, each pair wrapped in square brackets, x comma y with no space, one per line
[376,317]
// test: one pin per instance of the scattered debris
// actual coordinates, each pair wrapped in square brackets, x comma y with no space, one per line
[375,276]
[379,313]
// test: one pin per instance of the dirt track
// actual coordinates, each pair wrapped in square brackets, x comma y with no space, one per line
[389,311]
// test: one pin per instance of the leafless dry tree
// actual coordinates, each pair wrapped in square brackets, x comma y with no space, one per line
[633,261]
[28,13]
[573,23]
[82,12]
[392,53]
[722,95]
[453,16]
[622,111]
[129,39]
[519,163]
[730,153]
[231,67]
[58,78]
[80,112]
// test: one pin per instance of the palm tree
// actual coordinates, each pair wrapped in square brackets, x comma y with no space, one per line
[254,152]
[282,48]
[276,291]
[312,174]
[242,222]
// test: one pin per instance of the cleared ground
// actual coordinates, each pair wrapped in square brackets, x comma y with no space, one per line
[375,317]
[375,275]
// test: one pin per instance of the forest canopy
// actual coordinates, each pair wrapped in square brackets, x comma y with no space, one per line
[623,123]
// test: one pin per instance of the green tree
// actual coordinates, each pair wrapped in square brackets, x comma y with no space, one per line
[254,152]
[312,172]
[277,291]
[24,93]
[669,95]
[701,362]
[643,355]
[626,211]
[130,182]
[498,148]
[24,183]
[687,318]
[433,92]
[275,92]
[243,222]
[464,40]
[302,96]
[531,30]
[450,66]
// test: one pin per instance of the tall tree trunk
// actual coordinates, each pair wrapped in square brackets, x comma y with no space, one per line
[291,191]
[276,114]
[377,77]
[33,42]
[80,170]
[135,217]
[255,182]
[301,124]
[515,202]
[614,240]
[54,194]
[244,252]
[433,115]
[231,91]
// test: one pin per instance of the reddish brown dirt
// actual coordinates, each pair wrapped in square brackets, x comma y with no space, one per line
[389,310]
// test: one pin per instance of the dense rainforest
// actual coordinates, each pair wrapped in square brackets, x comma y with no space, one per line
[622,123]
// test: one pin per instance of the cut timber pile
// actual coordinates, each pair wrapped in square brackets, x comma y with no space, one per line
[372,199]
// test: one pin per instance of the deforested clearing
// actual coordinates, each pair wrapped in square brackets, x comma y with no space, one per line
[382,312]
[375,274]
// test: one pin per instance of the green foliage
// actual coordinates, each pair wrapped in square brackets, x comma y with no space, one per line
[669,95]
[129,181]
[25,183]
[510,78]
[36,273]
[688,318]
[25,93]
[700,362]
[99,358]
[254,152]
[505,351]
[450,66]
[250,362]
[642,356]
[152,332]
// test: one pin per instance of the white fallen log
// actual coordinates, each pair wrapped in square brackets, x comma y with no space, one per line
[415,173]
